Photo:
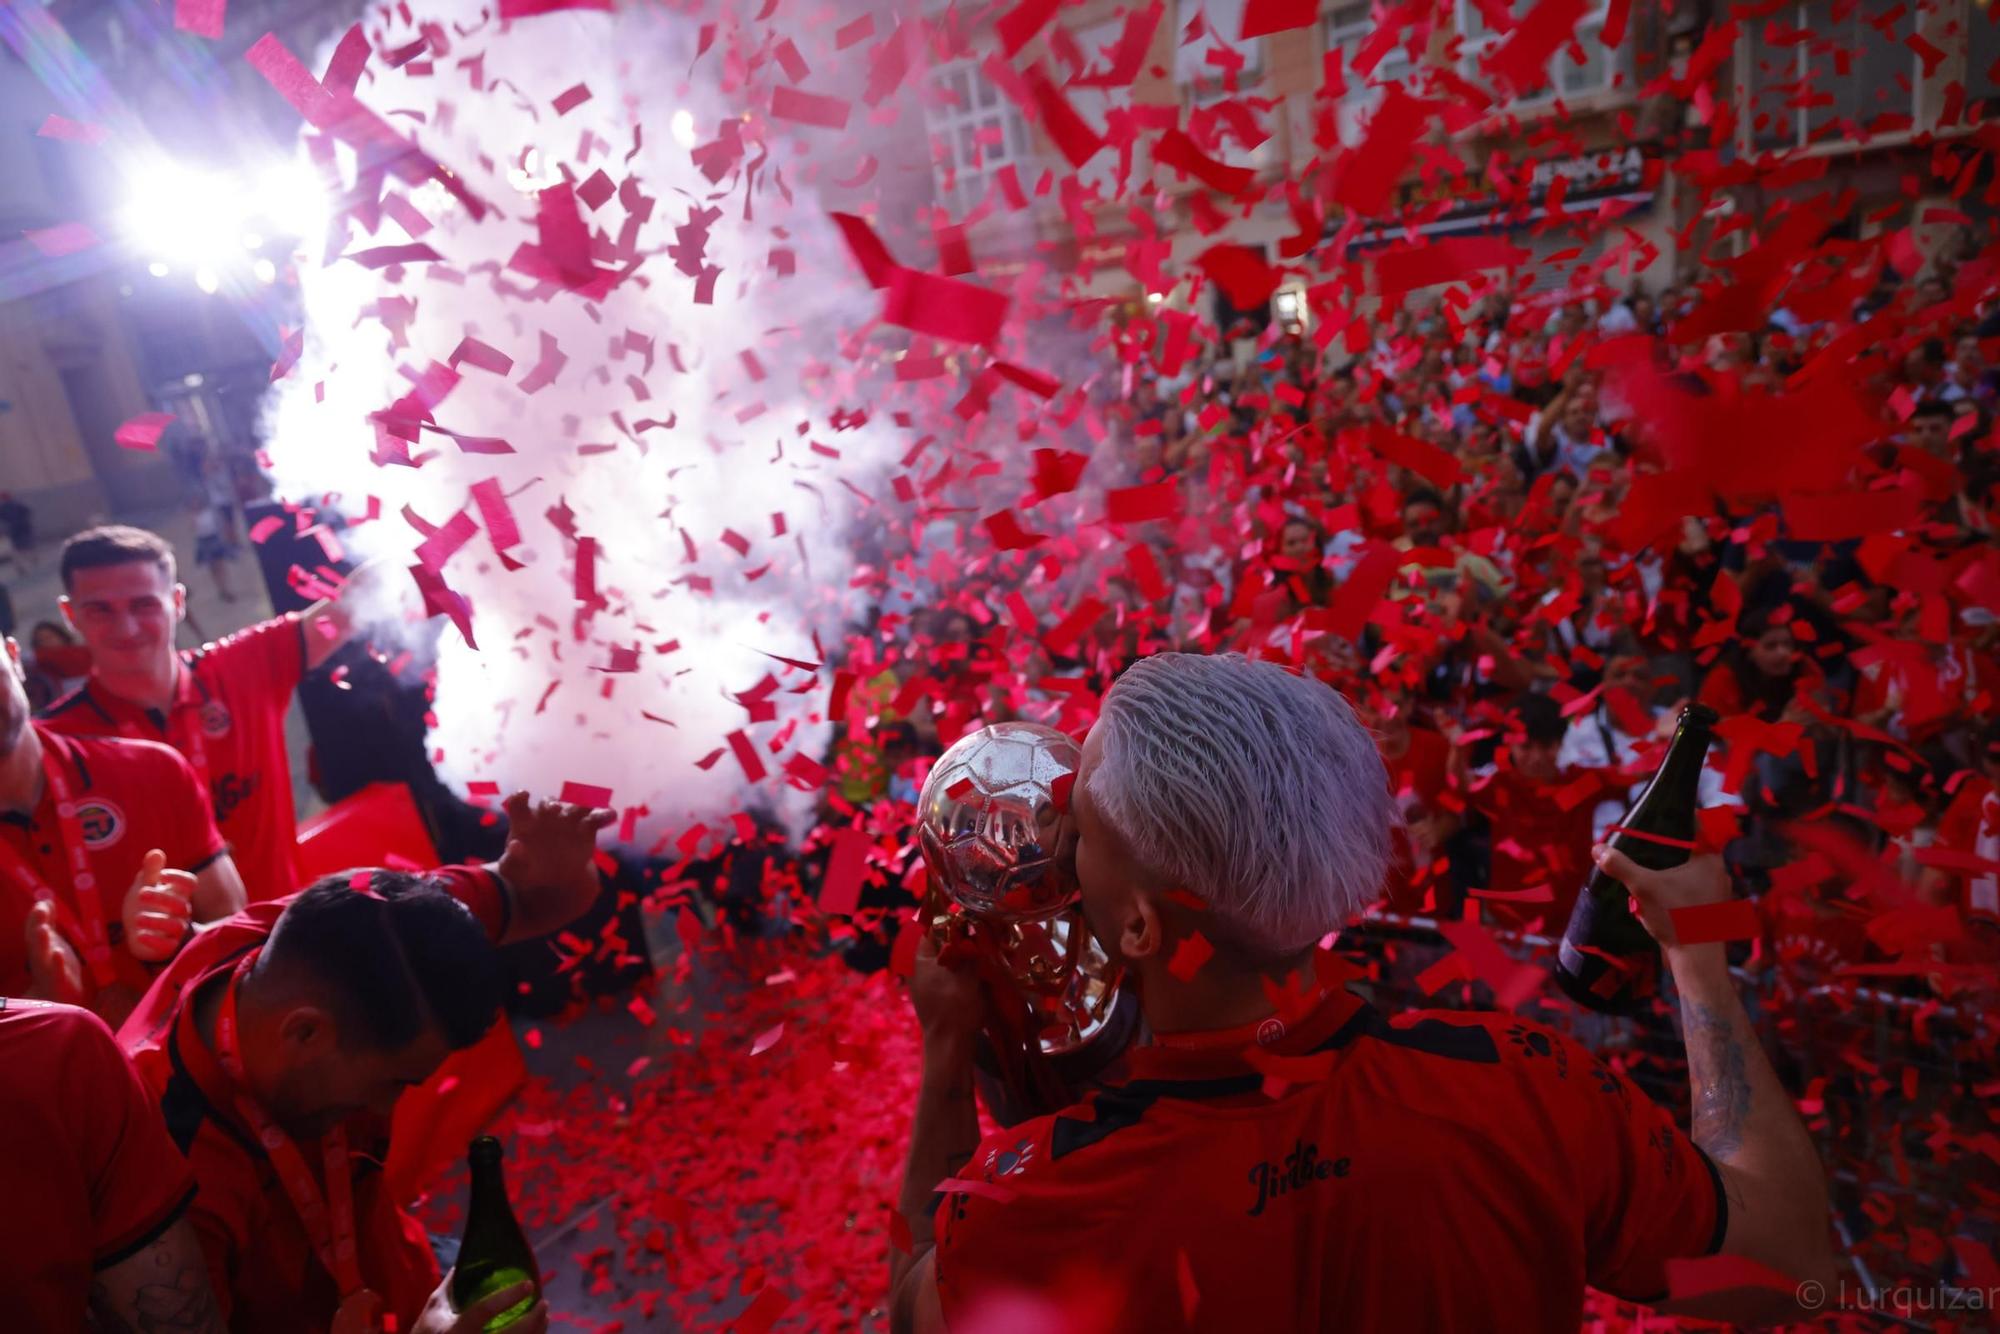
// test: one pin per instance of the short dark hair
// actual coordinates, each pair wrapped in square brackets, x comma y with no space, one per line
[1422,495]
[1541,718]
[114,544]
[390,951]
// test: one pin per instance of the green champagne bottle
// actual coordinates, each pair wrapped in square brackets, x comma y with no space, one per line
[1607,960]
[494,1254]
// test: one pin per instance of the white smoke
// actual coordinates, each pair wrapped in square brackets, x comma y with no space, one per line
[556,691]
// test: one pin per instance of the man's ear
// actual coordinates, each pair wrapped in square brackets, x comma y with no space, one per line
[180,603]
[1141,930]
[307,1030]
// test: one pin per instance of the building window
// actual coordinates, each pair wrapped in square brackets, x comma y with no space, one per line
[1346,29]
[1207,82]
[1831,71]
[1567,77]
[975,131]
[1204,83]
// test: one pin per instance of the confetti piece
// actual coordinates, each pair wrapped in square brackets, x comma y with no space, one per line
[143,431]
[62,127]
[523,9]
[65,238]
[816,109]
[203,18]
[840,892]
[1519,62]
[570,99]
[1241,273]
[1072,134]
[585,794]
[1007,533]
[1143,504]
[1709,922]
[1189,955]
[1174,149]
[1018,26]
[1368,172]
[481,355]
[1261,18]
[945,308]
[867,248]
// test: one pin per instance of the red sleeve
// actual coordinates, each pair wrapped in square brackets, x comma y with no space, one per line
[140,1183]
[195,840]
[480,890]
[1654,1196]
[1023,1229]
[270,655]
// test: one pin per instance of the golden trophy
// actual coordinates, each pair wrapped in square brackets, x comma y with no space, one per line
[1002,893]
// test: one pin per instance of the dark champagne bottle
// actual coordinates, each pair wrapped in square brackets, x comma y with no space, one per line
[493,1255]
[1608,961]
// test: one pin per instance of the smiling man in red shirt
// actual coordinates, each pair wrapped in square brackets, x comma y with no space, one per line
[222,706]
[1280,1154]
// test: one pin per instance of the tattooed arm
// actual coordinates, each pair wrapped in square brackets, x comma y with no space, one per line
[161,1289]
[943,1135]
[1743,1118]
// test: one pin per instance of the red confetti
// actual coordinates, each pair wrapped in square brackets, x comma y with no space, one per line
[203,18]
[817,109]
[1261,18]
[143,431]
[1734,920]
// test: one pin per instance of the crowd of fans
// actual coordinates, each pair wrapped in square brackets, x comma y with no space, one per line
[1433,525]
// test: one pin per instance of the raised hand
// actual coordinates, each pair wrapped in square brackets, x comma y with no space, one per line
[159,910]
[550,862]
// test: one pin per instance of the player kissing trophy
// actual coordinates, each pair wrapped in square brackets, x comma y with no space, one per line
[1002,893]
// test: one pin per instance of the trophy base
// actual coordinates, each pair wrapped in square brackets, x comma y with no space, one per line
[1078,1070]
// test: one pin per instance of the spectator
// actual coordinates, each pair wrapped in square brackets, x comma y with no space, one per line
[222,707]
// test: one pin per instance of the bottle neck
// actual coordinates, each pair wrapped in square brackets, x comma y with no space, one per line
[489,1185]
[1686,754]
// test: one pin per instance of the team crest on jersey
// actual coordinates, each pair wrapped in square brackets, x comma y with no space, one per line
[103,824]
[214,719]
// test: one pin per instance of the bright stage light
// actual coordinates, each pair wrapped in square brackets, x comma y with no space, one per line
[266,271]
[682,128]
[207,280]
[290,197]
[181,215]
[209,220]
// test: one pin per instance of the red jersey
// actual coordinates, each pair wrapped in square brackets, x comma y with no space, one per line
[130,797]
[1542,832]
[266,1274]
[1971,825]
[1426,1172]
[228,721]
[89,1176]
[1417,778]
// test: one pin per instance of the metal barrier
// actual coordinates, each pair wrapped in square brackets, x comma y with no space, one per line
[1895,1089]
